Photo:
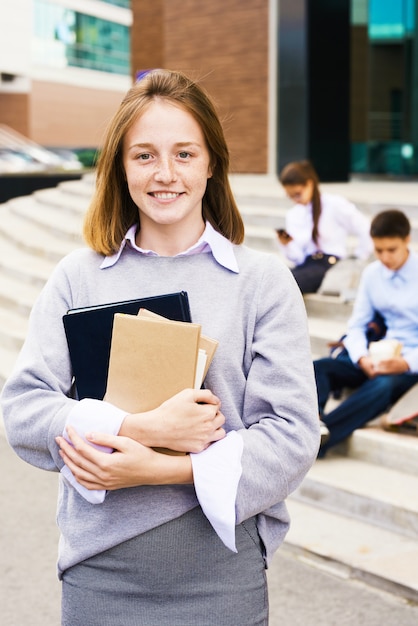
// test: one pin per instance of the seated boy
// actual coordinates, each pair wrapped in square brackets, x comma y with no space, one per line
[389,287]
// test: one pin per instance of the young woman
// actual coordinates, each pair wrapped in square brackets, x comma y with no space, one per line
[149,538]
[317,227]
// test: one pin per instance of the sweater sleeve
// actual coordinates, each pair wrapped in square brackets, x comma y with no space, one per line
[36,399]
[280,407]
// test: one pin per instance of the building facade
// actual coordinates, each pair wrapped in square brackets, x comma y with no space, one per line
[333,81]
[64,67]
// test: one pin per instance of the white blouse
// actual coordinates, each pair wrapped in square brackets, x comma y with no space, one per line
[339,220]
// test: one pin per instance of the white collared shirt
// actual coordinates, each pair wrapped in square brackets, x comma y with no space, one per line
[339,219]
[210,241]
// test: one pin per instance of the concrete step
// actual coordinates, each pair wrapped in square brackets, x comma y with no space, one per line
[374,445]
[371,493]
[19,264]
[83,185]
[326,307]
[354,549]
[368,194]
[257,214]
[17,296]
[7,361]
[13,329]
[261,238]
[322,331]
[32,238]
[62,198]
[356,510]
[54,219]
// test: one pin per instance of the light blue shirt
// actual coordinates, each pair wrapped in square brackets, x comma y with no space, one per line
[395,296]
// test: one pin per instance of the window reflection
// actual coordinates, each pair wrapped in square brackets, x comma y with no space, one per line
[63,37]
[384,98]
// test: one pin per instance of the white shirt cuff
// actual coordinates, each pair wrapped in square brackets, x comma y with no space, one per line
[216,473]
[86,416]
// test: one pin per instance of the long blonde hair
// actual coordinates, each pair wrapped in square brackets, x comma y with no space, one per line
[112,211]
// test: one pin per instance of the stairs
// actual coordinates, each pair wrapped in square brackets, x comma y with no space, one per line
[36,231]
[357,509]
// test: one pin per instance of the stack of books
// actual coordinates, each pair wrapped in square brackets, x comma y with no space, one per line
[89,332]
[153,358]
[136,354]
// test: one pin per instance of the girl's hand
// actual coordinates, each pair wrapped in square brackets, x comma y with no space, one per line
[188,422]
[130,465]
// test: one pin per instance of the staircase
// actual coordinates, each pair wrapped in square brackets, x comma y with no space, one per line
[36,231]
[356,512]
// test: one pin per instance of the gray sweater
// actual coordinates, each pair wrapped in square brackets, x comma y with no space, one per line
[262,372]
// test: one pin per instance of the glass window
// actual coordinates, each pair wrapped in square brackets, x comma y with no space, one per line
[384,97]
[390,19]
[120,3]
[63,37]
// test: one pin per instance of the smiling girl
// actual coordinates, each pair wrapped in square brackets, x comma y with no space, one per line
[150,538]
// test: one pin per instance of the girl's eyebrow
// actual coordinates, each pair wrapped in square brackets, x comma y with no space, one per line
[178,144]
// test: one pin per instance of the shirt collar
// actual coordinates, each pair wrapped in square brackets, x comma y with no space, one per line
[405,273]
[210,241]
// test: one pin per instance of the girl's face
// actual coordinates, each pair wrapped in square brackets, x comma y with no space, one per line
[167,165]
[301,194]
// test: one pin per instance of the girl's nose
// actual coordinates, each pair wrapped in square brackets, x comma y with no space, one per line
[165,170]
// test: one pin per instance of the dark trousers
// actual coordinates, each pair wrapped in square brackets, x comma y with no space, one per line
[372,396]
[309,275]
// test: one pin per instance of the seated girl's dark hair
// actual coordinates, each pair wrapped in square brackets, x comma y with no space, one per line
[299,173]
[390,223]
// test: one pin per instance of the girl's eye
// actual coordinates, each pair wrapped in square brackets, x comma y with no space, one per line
[144,157]
[184,155]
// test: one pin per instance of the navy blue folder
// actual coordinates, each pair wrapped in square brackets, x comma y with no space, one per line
[89,334]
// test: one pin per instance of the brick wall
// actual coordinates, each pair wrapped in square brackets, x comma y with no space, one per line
[14,111]
[225,44]
[65,115]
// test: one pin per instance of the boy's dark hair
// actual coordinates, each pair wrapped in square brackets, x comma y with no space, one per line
[390,223]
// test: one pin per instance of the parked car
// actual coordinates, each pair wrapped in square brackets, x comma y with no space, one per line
[15,161]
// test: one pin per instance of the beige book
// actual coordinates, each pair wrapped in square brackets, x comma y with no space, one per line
[207,344]
[384,349]
[150,362]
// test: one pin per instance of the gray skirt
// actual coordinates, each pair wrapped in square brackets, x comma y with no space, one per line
[178,574]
